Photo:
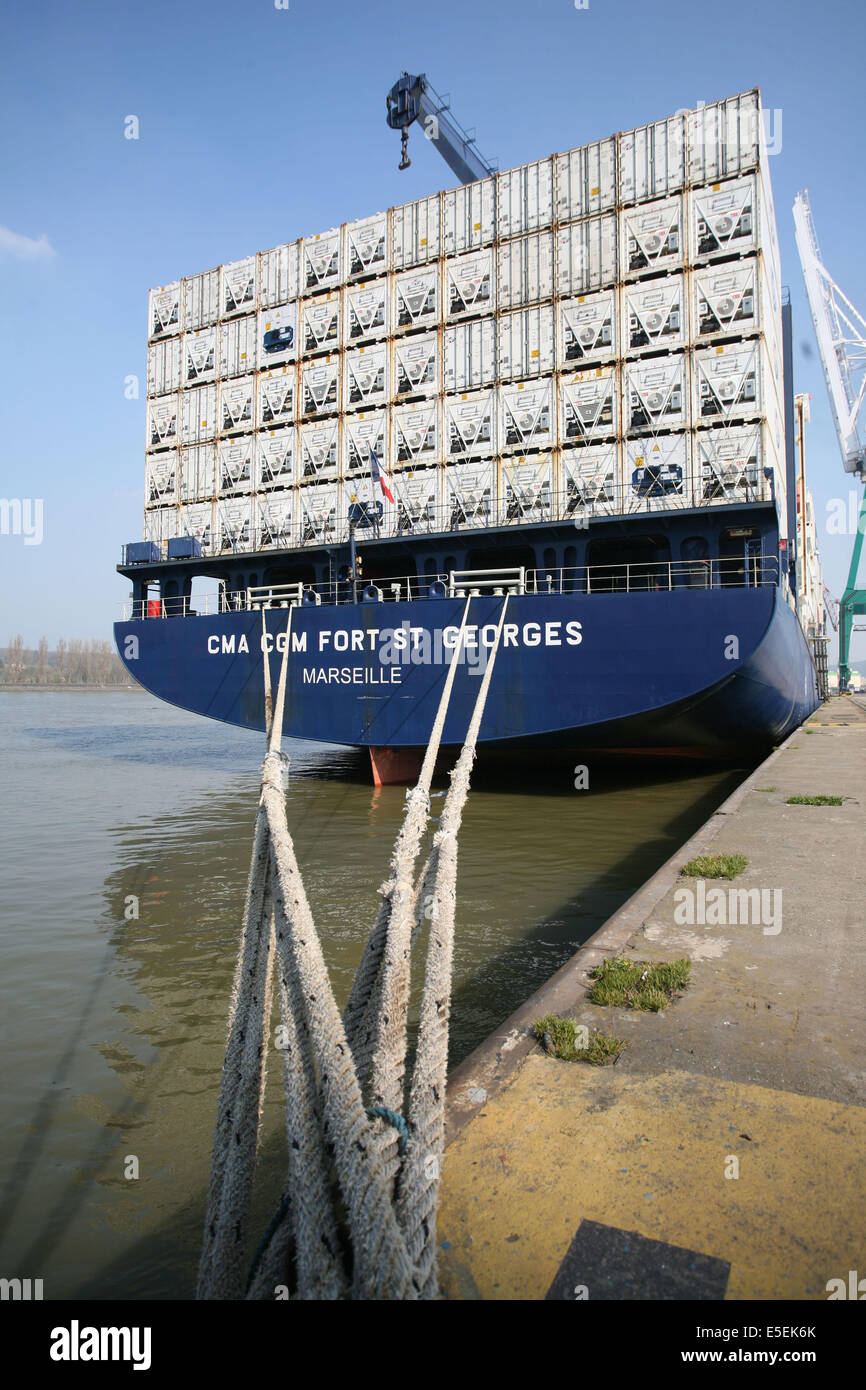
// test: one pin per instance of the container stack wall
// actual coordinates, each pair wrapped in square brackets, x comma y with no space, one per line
[599,329]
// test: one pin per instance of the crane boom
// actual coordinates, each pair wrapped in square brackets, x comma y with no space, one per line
[414,99]
[841,334]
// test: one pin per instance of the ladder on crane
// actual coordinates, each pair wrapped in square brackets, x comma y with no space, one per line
[841,334]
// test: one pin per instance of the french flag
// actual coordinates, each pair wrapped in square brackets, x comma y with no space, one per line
[379,475]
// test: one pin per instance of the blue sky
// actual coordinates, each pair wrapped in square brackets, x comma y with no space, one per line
[258,125]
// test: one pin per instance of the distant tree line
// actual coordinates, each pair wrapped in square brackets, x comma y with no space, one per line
[93,662]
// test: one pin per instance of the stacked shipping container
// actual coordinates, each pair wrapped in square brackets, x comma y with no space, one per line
[598,331]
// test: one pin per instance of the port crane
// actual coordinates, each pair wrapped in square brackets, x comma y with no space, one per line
[841,334]
[413,98]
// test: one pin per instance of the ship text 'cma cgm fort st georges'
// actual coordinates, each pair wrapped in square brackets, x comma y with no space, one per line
[566,387]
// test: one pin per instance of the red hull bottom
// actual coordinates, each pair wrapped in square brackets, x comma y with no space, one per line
[395,766]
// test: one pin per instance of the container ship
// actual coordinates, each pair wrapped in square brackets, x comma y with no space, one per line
[565,389]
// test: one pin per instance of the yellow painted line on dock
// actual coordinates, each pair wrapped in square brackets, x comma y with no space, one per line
[564,1142]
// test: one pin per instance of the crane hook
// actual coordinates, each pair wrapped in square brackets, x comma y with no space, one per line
[405,161]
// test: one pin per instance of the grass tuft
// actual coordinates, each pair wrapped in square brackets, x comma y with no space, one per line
[715,865]
[558,1037]
[766,789]
[814,801]
[638,984]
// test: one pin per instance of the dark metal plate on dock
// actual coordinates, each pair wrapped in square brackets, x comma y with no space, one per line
[604,1262]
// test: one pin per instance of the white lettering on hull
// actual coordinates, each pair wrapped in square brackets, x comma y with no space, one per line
[350,675]
[414,642]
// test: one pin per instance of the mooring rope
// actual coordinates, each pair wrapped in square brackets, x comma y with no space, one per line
[343,1229]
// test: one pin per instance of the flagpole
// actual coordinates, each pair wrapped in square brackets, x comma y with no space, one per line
[375,495]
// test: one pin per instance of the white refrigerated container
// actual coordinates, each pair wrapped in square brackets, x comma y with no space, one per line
[657,474]
[585,180]
[201,300]
[527,416]
[198,414]
[278,334]
[588,404]
[319,450]
[470,495]
[321,512]
[416,233]
[652,160]
[366,246]
[164,310]
[416,498]
[274,520]
[725,219]
[164,367]
[199,359]
[730,463]
[278,274]
[320,387]
[524,271]
[320,324]
[724,138]
[237,405]
[160,524]
[321,261]
[470,284]
[160,478]
[163,421]
[415,301]
[586,255]
[239,287]
[729,300]
[651,237]
[198,474]
[527,342]
[236,464]
[366,313]
[587,329]
[469,355]
[655,394]
[469,217]
[470,424]
[527,489]
[197,520]
[732,381]
[276,458]
[361,433]
[237,346]
[524,198]
[654,315]
[415,366]
[276,394]
[415,435]
[366,377]
[591,480]
[234,525]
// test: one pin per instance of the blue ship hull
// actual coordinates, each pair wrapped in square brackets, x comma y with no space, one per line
[710,673]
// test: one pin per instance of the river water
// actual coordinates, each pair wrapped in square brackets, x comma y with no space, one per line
[114,1023]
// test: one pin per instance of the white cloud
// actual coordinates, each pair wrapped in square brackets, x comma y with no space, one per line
[25,248]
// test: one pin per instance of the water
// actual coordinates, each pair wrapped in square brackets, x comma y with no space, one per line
[114,1025]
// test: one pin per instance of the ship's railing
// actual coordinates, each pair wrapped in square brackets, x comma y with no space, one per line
[177,607]
[330,522]
[645,576]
